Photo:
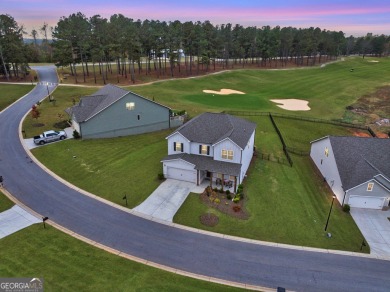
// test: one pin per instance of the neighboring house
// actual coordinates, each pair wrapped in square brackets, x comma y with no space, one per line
[113,112]
[357,169]
[212,146]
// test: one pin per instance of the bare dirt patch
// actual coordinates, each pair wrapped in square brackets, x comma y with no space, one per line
[374,110]
[361,134]
[223,91]
[292,104]
[373,61]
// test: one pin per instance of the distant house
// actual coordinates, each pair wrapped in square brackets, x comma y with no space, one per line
[357,169]
[214,147]
[113,111]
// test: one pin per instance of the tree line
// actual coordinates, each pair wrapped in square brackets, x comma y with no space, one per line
[168,48]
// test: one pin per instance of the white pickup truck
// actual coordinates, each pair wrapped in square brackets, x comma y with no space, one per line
[49,136]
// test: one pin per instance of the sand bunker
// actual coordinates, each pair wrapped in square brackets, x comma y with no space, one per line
[292,104]
[223,91]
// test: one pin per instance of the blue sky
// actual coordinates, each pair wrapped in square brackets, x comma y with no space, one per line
[352,17]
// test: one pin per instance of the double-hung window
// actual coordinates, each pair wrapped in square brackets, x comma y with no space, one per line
[204,149]
[178,147]
[227,154]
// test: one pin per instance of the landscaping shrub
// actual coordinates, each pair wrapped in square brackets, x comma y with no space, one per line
[240,188]
[76,134]
[227,192]
[160,176]
[346,208]
[220,190]
[229,196]
[215,189]
[236,208]
[236,198]
[217,201]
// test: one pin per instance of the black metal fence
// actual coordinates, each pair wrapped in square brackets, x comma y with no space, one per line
[281,140]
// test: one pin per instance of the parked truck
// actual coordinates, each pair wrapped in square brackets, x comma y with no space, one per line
[49,136]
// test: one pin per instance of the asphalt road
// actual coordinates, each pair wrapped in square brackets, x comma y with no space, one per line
[197,253]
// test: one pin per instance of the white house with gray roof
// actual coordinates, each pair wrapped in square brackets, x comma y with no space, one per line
[357,169]
[212,146]
[113,112]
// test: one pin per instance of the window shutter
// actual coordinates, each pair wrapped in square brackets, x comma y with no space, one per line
[182,147]
[208,150]
[174,146]
[200,149]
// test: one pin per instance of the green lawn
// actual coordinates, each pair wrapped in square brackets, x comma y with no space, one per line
[286,205]
[68,264]
[9,93]
[5,203]
[52,113]
[110,168]
[329,90]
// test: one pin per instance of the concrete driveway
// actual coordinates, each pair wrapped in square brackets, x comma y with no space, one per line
[376,229]
[164,202]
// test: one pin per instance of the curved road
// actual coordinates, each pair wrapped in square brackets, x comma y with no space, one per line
[180,249]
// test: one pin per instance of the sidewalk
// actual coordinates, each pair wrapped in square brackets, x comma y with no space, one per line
[15,219]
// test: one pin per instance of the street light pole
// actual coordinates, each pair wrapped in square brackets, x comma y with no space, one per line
[330,211]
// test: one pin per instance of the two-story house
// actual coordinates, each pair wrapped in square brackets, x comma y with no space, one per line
[212,146]
[357,169]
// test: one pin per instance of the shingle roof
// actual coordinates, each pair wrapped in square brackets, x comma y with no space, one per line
[207,163]
[210,128]
[91,105]
[359,159]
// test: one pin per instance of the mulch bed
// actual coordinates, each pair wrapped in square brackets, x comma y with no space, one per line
[219,201]
[209,219]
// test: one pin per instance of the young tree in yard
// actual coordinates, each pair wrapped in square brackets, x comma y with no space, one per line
[35,112]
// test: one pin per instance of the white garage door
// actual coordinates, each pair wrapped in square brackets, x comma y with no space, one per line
[181,174]
[366,202]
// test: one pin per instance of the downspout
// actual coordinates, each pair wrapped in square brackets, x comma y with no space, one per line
[344,198]
[169,118]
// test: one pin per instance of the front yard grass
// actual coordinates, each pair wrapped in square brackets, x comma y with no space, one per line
[286,205]
[5,203]
[68,264]
[109,168]
[10,93]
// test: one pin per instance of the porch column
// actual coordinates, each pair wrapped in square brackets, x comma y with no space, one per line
[211,180]
[235,183]
[223,180]
[197,177]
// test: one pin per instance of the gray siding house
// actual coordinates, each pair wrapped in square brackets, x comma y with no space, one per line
[357,169]
[113,112]
[214,147]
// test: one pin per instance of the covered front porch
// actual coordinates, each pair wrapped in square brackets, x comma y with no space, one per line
[219,180]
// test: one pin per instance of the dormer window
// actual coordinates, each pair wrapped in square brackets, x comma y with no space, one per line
[130,106]
[227,154]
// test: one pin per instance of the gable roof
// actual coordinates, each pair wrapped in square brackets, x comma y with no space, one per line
[91,105]
[211,128]
[360,159]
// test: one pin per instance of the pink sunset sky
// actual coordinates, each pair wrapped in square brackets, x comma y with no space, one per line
[352,17]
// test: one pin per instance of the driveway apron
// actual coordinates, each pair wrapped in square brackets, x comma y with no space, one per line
[375,226]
